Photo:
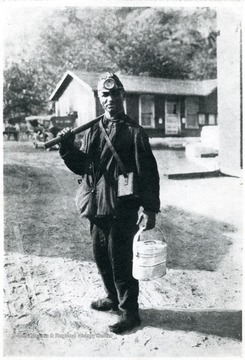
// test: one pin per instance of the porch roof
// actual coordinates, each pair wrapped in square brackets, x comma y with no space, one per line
[140,84]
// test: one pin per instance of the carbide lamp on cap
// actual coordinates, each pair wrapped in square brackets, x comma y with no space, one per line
[109,81]
[109,84]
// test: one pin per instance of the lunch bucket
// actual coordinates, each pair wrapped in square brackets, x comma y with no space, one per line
[149,256]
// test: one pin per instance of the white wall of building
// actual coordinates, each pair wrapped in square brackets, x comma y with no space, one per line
[77,98]
[229,89]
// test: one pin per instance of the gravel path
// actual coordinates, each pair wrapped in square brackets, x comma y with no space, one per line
[186,313]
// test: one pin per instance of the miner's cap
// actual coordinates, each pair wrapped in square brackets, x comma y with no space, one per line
[108,82]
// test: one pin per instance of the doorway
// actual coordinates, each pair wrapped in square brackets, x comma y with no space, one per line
[172,118]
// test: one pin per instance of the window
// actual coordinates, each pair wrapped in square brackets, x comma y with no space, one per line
[147,110]
[191,121]
[172,107]
[211,119]
[192,108]
[201,119]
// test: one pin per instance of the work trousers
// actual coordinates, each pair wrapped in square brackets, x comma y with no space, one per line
[113,254]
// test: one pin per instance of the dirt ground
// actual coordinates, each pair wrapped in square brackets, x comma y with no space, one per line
[51,279]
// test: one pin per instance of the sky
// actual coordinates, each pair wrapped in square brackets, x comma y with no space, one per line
[22,26]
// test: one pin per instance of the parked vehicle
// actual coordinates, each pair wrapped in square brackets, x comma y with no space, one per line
[44,128]
[11,130]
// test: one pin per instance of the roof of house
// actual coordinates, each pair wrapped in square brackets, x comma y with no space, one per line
[140,84]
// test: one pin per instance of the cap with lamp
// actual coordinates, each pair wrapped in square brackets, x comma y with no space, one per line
[108,82]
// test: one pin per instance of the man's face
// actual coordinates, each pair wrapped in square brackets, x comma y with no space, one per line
[112,101]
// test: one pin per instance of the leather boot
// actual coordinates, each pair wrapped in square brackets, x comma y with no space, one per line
[105,304]
[126,323]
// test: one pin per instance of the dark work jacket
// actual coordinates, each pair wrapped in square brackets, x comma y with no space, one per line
[99,169]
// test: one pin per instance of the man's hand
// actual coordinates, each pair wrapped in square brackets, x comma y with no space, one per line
[67,137]
[148,218]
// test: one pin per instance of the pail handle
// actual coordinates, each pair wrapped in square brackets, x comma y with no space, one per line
[137,236]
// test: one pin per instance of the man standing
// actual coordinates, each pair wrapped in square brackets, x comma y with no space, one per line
[114,220]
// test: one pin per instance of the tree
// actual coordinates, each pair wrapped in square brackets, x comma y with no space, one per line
[147,41]
[158,42]
[23,90]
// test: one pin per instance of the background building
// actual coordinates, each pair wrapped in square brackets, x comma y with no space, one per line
[163,107]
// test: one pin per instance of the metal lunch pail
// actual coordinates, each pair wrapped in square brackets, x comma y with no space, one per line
[149,256]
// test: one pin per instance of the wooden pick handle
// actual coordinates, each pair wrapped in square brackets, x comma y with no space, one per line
[76,130]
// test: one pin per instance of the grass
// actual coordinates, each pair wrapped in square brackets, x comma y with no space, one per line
[41,217]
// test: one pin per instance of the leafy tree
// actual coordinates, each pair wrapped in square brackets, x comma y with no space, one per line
[23,90]
[156,43]
[146,41]
[159,42]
